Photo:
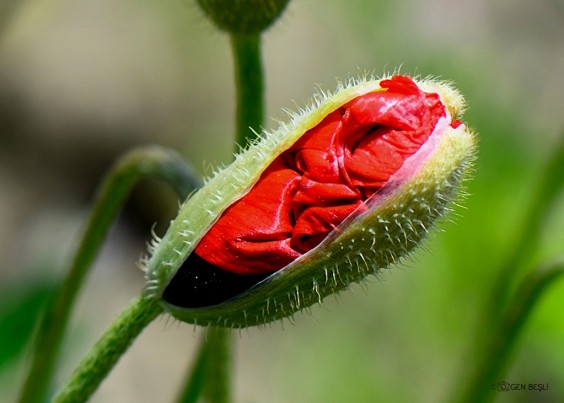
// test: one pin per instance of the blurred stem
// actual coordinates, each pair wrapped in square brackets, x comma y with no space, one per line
[143,162]
[248,86]
[94,368]
[494,359]
[210,374]
[197,376]
[544,196]
[511,281]
[218,386]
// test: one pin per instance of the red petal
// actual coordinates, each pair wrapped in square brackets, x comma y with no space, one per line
[455,124]
[327,174]
[315,223]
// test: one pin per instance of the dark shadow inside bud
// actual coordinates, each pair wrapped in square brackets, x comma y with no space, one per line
[199,284]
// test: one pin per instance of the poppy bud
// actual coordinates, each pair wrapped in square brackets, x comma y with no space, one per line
[243,16]
[348,187]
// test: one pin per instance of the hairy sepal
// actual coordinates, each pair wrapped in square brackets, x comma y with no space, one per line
[393,225]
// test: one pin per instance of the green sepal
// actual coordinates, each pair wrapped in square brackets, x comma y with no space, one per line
[243,16]
[364,244]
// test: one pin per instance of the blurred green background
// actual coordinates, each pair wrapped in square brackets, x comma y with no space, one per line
[82,81]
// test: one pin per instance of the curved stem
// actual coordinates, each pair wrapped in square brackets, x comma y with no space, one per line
[493,347]
[94,368]
[498,299]
[544,196]
[144,162]
[248,86]
[494,358]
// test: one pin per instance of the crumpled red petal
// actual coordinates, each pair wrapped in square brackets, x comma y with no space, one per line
[325,176]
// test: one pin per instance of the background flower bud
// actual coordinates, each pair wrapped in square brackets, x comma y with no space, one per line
[385,226]
[243,16]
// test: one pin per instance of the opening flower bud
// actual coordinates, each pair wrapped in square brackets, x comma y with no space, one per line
[349,187]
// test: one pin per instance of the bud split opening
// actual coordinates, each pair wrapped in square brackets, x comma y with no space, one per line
[350,186]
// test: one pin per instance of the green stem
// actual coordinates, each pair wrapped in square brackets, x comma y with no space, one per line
[513,271]
[94,368]
[499,303]
[197,376]
[144,162]
[218,386]
[495,357]
[544,195]
[210,372]
[248,85]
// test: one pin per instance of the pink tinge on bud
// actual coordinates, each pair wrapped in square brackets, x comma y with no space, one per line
[331,171]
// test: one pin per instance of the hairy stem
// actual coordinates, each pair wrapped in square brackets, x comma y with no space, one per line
[248,86]
[497,351]
[143,162]
[94,368]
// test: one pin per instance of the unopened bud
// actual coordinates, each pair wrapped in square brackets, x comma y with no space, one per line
[243,16]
